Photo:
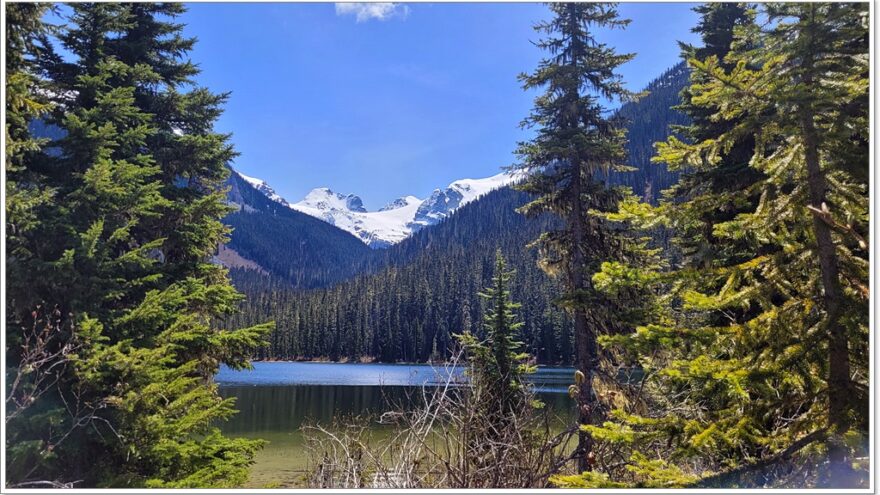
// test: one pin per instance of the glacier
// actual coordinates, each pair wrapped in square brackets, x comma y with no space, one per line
[395,221]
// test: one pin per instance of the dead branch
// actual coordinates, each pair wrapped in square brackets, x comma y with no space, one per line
[825,215]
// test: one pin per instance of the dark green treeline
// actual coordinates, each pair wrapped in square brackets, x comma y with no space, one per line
[409,299]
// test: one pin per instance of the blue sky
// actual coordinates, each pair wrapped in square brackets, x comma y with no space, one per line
[399,103]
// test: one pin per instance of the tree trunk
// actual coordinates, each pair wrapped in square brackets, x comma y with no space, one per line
[586,347]
[585,339]
[838,350]
[585,336]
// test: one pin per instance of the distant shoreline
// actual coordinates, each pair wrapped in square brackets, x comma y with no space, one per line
[386,363]
[342,361]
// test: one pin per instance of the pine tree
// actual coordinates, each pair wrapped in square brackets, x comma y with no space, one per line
[576,142]
[125,262]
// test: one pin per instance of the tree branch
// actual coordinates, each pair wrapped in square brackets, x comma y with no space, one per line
[825,215]
[723,479]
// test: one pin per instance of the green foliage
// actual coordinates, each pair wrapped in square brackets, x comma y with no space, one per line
[657,473]
[740,336]
[588,479]
[576,146]
[496,366]
[25,35]
[121,395]
[404,303]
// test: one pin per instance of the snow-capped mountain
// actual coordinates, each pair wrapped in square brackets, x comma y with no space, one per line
[461,192]
[376,228]
[395,221]
[260,185]
[400,203]
[324,199]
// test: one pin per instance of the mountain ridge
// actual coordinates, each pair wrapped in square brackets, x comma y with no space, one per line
[396,220]
[298,248]
[405,303]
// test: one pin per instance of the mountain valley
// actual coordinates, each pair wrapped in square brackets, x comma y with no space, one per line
[395,284]
[393,222]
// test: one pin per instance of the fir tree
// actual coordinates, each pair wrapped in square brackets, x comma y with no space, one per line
[127,267]
[496,366]
[754,362]
[575,144]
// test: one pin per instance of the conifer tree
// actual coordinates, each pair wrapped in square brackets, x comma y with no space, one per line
[806,105]
[708,195]
[495,418]
[496,366]
[26,42]
[754,360]
[128,267]
[32,352]
[576,143]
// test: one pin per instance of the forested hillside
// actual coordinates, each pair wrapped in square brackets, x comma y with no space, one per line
[291,245]
[648,121]
[407,301]
[409,311]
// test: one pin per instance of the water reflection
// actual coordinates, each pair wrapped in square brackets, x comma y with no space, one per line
[281,408]
[276,400]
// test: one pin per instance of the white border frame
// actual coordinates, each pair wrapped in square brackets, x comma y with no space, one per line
[872,315]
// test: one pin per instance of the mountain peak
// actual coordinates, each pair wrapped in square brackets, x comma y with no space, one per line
[323,198]
[395,221]
[263,187]
[400,203]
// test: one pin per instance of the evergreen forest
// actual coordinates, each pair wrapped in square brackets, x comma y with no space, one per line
[697,252]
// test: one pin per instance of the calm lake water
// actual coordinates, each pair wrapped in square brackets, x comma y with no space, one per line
[276,399]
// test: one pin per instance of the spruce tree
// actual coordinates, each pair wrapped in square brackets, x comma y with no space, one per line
[576,143]
[757,372]
[128,267]
[496,366]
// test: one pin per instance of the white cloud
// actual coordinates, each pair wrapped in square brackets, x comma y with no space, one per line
[377,10]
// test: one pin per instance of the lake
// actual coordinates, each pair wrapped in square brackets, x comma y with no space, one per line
[276,399]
